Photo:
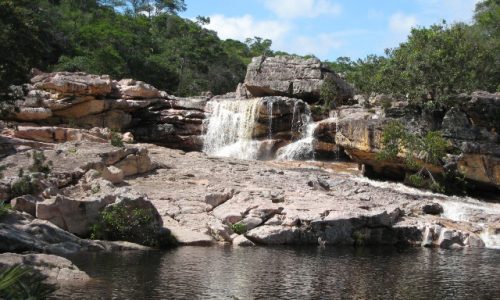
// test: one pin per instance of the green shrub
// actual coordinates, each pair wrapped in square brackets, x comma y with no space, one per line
[24,283]
[419,151]
[117,223]
[116,139]
[416,180]
[4,209]
[239,228]
[23,185]
[328,93]
[39,164]
[386,103]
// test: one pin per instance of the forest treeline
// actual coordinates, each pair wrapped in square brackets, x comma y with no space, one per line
[435,63]
[140,39]
[147,40]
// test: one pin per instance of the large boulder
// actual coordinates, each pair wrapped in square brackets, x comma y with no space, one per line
[66,83]
[291,76]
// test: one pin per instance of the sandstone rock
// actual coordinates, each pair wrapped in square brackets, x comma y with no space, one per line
[83,109]
[242,241]
[251,222]
[130,89]
[73,215]
[21,232]
[273,235]
[128,138]
[56,269]
[290,76]
[113,119]
[26,203]
[113,174]
[217,198]
[136,163]
[58,134]
[32,114]
[73,83]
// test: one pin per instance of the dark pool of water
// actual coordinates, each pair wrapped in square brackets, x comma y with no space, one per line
[290,273]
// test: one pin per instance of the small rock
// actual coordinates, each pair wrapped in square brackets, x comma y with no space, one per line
[113,174]
[128,138]
[242,241]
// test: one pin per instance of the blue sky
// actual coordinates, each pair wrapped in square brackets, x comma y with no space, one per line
[327,28]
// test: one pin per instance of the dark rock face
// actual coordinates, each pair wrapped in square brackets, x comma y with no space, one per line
[290,76]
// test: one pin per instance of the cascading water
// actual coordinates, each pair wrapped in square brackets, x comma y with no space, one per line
[230,128]
[303,148]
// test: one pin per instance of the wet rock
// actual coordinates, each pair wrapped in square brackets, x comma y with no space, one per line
[273,235]
[432,209]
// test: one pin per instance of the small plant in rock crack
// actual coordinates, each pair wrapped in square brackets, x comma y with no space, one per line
[23,185]
[39,164]
[239,228]
[116,139]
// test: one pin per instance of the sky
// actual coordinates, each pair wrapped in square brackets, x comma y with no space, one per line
[327,28]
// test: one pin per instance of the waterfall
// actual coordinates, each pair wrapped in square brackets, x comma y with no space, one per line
[230,128]
[303,148]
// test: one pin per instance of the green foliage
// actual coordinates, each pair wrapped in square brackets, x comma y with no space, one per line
[416,180]
[429,149]
[393,140]
[435,63]
[328,93]
[4,209]
[23,283]
[39,164]
[239,228]
[116,139]
[23,186]
[386,103]
[117,223]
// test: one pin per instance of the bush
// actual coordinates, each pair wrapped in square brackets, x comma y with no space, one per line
[23,283]
[39,165]
[23,185]
[4,209]
[239,228]
[328,93]
[116,139]
[429,149]
[117,223]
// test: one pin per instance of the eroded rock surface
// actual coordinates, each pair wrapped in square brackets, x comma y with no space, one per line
[272,203]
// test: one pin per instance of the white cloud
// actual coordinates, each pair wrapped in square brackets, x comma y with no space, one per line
[290,9]
[451,10]
[401,24]
[320,45]
[246,26]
